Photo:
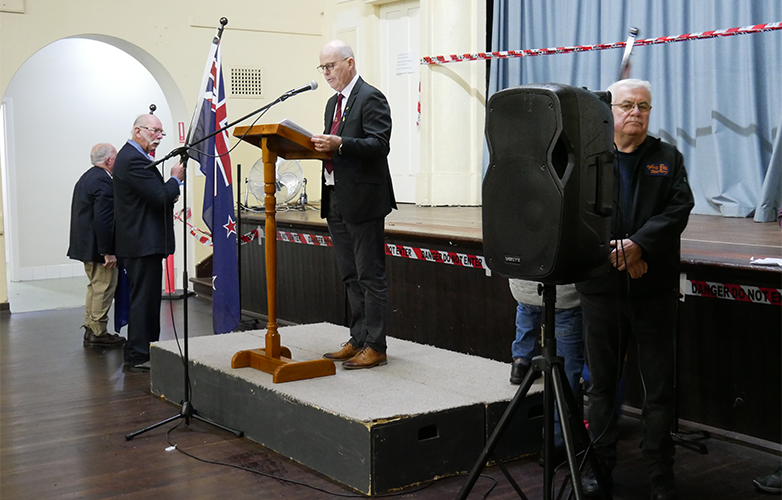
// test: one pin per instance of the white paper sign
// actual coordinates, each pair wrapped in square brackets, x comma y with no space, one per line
[406,63]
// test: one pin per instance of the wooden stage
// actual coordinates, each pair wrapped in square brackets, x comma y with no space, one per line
[441,294]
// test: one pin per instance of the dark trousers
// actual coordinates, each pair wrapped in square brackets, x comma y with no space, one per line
[145,275]
[646,324]
[361,260]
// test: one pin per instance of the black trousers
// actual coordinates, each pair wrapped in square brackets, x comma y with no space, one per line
[361,260]
[647,324]
[145,275]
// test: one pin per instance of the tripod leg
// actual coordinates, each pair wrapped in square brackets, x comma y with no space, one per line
[583,436]
[235,432]
[131,435]
[563,405]
[521,393]
[512,482]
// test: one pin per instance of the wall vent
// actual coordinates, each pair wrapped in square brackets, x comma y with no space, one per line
[246,82]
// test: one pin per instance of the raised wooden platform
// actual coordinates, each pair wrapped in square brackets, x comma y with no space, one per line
[426,414]
[730,372]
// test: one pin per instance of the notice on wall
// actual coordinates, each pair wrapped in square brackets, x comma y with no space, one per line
[406,63]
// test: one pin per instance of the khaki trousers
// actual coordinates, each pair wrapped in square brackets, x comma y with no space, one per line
[100,293]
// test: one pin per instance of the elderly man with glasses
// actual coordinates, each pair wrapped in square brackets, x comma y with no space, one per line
[357,194]
[634,304]
[144,233]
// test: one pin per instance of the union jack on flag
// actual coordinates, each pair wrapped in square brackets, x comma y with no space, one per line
[219,216]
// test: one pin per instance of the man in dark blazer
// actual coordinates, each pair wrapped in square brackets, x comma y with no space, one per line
[92,242]
[357,194]
[143,203]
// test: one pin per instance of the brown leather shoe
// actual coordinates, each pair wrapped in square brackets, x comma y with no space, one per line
[347,352]
[367,358]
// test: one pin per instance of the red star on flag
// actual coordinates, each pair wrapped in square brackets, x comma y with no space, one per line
[230,227]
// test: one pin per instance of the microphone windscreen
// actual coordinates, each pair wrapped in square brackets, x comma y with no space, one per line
[314,85]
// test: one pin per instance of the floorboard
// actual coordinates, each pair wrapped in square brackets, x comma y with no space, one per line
[64,411]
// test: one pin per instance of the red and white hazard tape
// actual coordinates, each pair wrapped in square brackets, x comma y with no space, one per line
[740,293]
[482,56]
[437,256]
[205,238]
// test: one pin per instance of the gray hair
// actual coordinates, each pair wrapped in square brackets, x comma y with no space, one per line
[630,83]
[100,152]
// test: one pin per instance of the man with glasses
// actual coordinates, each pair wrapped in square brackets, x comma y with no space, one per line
[634,304]
[143,205]
[357,194]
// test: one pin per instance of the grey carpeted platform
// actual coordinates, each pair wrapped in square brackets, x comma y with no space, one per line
[426,397]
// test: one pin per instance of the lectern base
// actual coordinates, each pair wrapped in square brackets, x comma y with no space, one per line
[283,369]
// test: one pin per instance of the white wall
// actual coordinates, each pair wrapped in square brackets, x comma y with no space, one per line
[69,96]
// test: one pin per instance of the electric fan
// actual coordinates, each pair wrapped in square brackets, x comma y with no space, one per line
[289,180]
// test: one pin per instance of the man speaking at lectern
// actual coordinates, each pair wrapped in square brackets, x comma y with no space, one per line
[357,194]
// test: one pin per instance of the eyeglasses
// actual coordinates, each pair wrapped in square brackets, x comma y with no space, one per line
[329,66]
[628,106]
[155,131]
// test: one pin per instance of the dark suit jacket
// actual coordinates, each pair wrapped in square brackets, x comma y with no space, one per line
[143,205]
[362,181]
[92,217]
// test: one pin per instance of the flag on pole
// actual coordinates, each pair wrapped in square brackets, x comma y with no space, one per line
[212,155]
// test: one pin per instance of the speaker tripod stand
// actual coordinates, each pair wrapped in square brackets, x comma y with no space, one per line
[555,391]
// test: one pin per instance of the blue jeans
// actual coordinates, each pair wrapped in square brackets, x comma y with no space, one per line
[570,345]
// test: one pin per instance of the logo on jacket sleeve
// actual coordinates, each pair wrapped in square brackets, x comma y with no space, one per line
[660,169]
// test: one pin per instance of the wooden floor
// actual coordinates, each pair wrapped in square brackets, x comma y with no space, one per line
[64,411]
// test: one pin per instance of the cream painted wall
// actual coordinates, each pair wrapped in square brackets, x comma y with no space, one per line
[283,39]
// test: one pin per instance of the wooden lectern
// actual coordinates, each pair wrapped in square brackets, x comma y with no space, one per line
[278,140]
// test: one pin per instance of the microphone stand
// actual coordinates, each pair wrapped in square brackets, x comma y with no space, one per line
[187,411]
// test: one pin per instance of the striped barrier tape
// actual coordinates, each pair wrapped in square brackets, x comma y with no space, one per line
[482,56]
[739,293]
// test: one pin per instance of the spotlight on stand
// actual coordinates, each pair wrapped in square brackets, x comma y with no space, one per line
[547,192]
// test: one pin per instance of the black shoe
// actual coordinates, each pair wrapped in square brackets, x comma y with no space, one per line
[144,367]
[589,483]
[519,369]
[771,483]
[664,487]
[558,457]
[105,340]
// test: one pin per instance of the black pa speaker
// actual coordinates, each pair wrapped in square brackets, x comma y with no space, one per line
[547,194]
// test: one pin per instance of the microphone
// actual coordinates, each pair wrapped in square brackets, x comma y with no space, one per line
[313,85]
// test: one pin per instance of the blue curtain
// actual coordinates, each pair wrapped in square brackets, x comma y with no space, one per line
[718,100]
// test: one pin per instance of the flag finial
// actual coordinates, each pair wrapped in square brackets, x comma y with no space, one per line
[152,109]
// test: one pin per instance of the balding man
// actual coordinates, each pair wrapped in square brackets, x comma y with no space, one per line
[92,242]
[357,194]
[634,305]
[143,203]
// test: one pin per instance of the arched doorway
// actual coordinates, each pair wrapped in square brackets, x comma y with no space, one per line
[67,97]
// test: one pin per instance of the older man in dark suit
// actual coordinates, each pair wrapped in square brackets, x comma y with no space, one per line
[143,203]
[92,242]
[357,194]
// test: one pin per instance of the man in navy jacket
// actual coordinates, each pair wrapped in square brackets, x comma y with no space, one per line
[143,204]
[92,242]
[634,304]
[357,194]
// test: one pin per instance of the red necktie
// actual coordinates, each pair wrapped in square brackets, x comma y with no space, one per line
[334,127]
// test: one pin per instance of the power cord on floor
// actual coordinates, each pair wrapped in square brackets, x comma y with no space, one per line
[299,483]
